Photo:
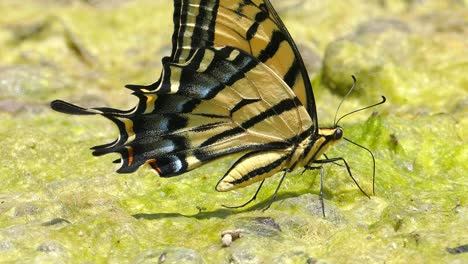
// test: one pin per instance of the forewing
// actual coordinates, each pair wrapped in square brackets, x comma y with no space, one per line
[251,26]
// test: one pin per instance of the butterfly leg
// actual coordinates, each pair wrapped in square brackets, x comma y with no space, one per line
[322,177]
[249,201]
[332,160]
[273,197]
[337,164]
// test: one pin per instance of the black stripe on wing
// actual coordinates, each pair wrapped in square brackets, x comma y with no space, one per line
[194,35]
[282,106]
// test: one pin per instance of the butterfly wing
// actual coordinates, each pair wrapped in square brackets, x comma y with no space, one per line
[211,100]
[251,26]
[218,102]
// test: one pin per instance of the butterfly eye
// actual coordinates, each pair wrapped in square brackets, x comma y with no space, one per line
[338,133]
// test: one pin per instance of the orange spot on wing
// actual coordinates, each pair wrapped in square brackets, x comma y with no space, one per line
[130,155]
[154,165]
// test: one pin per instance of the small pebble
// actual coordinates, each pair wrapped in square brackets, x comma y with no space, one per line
[228,236]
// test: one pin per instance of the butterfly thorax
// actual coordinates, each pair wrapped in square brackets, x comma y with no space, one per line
[313,147]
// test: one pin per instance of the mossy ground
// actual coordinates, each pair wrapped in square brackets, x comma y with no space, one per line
[60,204]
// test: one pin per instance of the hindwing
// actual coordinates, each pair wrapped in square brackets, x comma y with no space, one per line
[218,102]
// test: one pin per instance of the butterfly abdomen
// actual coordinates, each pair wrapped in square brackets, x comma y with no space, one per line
[259,165]
[253,167]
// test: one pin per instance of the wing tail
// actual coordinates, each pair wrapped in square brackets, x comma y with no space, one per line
[71,109]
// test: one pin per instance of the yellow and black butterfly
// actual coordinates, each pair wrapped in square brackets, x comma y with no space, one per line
[234,83]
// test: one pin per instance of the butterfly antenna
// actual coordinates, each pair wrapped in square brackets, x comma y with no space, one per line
[352,112]
[373,162]
[364,108]
[342,100]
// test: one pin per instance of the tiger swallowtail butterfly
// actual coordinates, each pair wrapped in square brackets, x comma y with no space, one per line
[234,83]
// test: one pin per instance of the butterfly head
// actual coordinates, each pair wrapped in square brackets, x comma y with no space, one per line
[331,134]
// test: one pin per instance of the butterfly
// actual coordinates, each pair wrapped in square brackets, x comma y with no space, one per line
[234,83]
